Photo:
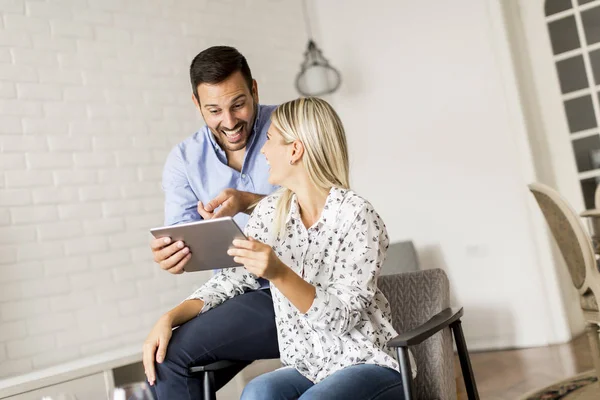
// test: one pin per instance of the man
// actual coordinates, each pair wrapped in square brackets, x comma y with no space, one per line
[218,171]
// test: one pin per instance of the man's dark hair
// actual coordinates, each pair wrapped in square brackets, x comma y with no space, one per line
[216,64]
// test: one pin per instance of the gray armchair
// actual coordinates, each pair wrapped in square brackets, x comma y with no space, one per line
[420,304]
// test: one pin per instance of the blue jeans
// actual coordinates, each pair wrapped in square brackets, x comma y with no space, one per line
[358,382]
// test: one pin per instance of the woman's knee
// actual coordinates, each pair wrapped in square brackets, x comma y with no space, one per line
[259,389]
[281,384]
[250,391]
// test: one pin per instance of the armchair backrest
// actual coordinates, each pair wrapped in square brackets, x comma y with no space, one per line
[567,228]
[414,298]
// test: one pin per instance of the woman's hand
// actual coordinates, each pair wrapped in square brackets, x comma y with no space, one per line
[155,347]
[258,258]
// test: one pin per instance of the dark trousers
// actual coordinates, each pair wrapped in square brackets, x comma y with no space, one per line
[242,328]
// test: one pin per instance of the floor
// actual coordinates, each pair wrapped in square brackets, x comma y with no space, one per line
[504,375]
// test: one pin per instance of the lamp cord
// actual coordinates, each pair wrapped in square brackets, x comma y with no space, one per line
[306,20]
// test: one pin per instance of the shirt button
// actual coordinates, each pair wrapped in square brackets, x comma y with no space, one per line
[243,176]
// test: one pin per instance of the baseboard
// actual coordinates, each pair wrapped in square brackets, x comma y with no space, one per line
[513,341]
[502,343]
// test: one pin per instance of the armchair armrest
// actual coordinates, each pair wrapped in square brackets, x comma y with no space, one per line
[435,324]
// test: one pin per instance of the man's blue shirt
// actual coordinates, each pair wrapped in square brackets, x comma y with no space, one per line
[197,170]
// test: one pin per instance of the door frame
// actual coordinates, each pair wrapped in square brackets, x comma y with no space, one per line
[545,146]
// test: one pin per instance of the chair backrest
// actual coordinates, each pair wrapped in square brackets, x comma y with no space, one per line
[567,228]
[414,298]
[401,257]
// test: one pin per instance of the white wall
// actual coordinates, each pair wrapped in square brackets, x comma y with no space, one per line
[438,145]
[93,94]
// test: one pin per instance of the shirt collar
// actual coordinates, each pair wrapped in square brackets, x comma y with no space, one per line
[255,128]
[330,210]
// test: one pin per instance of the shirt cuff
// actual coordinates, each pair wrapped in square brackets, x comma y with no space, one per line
[206,298]
[317,309]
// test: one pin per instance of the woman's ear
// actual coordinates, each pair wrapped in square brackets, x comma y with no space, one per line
[297,151]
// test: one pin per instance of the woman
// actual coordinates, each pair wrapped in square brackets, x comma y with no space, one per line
[321,247]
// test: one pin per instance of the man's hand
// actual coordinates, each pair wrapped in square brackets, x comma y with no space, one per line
[170,257]
[228,203]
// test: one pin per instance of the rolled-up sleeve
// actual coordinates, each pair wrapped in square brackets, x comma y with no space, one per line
[337,307]
[180,200]
[225,285]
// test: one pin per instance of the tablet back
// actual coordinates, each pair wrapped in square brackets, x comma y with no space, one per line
[208,241]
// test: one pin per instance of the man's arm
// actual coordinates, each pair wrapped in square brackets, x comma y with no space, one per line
[180,207]
[254,199]
[231,202]
[180,200]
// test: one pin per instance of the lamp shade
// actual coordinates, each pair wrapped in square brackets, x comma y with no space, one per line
[316,76]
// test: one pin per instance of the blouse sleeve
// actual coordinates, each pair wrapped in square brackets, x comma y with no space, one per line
[227,283]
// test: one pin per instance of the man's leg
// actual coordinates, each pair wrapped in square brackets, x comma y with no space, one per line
[241,329]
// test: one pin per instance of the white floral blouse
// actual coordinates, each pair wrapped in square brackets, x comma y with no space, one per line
[349,321]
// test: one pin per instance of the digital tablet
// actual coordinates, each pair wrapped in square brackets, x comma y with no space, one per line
[208,241]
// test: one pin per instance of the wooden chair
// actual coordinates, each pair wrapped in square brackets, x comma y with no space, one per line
[576,247]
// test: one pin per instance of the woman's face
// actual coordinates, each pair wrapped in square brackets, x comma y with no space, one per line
[278,155]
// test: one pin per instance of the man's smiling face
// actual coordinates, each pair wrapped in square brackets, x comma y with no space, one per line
[229,110]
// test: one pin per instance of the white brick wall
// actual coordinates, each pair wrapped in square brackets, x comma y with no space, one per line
[93,95]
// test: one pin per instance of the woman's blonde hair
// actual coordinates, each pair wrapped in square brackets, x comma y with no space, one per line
[315,123]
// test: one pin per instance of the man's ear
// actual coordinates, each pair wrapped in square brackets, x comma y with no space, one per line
[197,104]
[255,91]
[195,100]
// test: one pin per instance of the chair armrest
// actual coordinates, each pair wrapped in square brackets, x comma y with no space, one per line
[217,365]
[428,329]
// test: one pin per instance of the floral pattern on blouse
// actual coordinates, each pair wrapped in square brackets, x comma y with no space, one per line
[349,321]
